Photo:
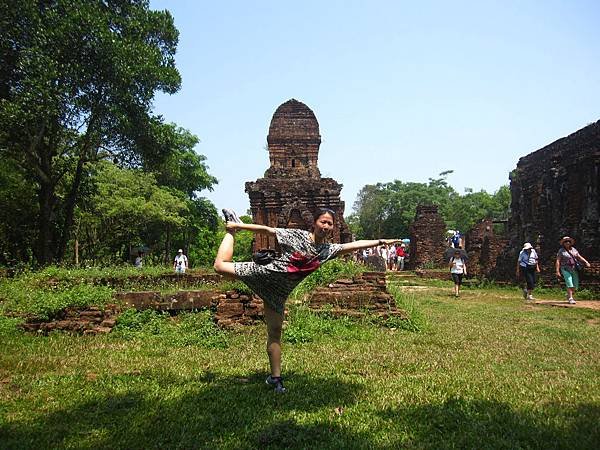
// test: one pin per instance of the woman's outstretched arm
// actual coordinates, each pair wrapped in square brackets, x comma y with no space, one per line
[261,229]
[349,247]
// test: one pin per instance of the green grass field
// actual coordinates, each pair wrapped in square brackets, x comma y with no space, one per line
[485,371]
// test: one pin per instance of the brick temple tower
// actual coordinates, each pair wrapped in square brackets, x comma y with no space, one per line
[292,189]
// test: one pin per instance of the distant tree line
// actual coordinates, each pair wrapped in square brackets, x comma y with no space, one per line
[86,167]
[388,209]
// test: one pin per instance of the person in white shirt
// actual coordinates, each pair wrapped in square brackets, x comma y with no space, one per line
[139,261]
[458,269]
[181,262]
[527,265]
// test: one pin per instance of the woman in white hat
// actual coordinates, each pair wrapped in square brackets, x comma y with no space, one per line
[527,265]
[568,264]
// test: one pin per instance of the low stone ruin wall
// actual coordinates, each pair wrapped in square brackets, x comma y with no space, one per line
[365,293]
[90,320]
[231,308]
[427,238]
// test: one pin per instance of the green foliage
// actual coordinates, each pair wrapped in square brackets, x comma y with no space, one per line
[127,208]
[77,81]
[327,273]
[9,325]
[18,211]
[388,209]
[17,296]
[197,328]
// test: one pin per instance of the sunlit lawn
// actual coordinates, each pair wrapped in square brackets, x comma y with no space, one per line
[486,371]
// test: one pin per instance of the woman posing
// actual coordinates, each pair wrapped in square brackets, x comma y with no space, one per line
[568,263]
[302,252]
[527,265]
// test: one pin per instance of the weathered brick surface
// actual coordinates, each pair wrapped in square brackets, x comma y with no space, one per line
[427,237]
[483,247]
[555,191]
[292,189]
[366,292]
[78,320]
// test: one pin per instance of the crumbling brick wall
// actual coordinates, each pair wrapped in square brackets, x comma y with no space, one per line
[483,246]
[364,293]
[427,237]
[555,191]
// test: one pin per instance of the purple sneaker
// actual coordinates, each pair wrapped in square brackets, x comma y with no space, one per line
[277,383]
[231,216]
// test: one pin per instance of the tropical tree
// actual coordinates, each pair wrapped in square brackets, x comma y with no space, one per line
[126,209]
[77,82]
[388,209]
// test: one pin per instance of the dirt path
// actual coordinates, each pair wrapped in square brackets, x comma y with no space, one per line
[590,304]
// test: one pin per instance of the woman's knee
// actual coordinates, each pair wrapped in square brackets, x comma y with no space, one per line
[224,267]
[274,332]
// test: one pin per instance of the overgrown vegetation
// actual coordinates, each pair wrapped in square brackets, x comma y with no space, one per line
[192,328]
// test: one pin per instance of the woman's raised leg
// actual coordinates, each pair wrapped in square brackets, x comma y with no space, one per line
[223,263]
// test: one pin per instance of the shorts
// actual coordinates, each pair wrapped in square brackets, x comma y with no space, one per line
[571,278]
[457,278]
[273,287]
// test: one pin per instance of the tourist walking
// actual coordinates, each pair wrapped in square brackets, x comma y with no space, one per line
[458,269]
[527,265]
[401,254]
[301,253]
[568,264]
[139,260]
[392,258]
[180,264]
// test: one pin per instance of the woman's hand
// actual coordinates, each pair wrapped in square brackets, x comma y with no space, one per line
[232,227]
[389,241]
[558,275]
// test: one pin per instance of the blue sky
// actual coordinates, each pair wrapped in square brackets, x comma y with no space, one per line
[401,90]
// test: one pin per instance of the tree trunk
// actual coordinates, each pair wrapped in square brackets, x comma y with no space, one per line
[76,252]
[168,245]
[46,199]
[70,203]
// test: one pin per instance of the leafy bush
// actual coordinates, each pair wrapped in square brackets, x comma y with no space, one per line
[19,296]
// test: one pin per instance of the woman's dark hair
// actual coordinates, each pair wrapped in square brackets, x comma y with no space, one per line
[322,211]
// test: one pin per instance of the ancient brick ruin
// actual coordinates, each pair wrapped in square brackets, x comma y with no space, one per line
[365,293]
[555,192]
[292,189]
[427,237]
[483,246]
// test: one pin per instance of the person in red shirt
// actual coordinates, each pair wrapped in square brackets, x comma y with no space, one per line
[401,254]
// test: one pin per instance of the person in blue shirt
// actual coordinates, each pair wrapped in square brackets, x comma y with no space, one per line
[527,265]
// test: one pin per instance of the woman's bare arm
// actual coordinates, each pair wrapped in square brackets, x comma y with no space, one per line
[260,229]
[349,247]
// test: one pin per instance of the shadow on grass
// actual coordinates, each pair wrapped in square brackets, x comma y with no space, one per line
[208,412]
[461,423]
